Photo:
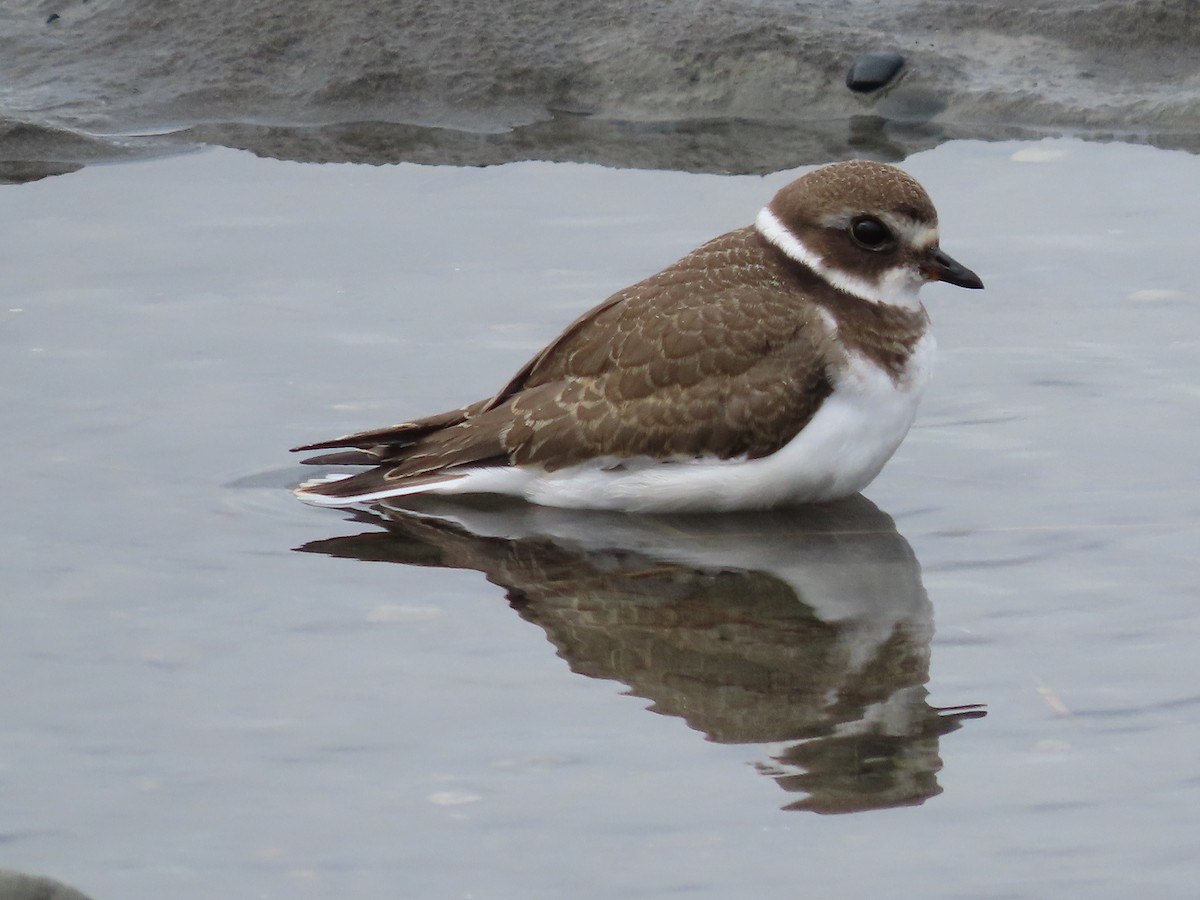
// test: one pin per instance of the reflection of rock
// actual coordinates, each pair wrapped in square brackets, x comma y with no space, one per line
[809,627]
[19,886]
[693,146]
[31,152]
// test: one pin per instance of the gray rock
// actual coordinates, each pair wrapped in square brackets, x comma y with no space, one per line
[19,886]
[872,71]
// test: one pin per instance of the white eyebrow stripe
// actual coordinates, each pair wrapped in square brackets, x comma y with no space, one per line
[919,237]
[769,226]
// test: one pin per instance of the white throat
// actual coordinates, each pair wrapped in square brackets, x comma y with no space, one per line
[899,285]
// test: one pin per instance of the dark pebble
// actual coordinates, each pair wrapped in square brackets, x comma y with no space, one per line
[871,71]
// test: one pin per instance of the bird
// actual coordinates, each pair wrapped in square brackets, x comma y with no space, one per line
[778,364]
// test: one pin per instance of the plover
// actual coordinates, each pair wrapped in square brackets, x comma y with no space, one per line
[778,364]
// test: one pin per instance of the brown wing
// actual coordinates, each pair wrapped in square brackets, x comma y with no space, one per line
[718,383]
[718,355]
[698,360]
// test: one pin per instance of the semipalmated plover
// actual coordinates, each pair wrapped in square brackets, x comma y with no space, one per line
[777,364]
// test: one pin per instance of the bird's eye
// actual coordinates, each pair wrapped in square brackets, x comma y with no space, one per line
[870,233]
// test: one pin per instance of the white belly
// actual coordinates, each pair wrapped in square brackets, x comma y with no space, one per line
[839,452]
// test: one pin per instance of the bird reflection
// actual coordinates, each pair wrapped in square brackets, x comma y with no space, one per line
[808,630]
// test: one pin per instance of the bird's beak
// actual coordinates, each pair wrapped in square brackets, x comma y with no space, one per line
[939,266]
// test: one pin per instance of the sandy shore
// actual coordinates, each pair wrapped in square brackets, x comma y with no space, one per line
[729,85]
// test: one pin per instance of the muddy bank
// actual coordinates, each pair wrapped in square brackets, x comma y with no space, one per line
[731,85]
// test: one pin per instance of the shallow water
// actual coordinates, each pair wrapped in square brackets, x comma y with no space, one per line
[196,710]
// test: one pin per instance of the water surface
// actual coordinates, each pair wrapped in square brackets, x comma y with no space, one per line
[195,709]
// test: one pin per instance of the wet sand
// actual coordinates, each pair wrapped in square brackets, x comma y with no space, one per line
[724,86]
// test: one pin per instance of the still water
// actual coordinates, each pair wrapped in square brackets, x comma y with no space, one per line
[213,690]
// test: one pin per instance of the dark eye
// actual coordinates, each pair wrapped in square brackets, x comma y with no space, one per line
[870,233]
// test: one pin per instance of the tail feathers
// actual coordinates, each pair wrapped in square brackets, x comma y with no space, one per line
[345,458]
[380,440]
[367,487]
[411,457]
